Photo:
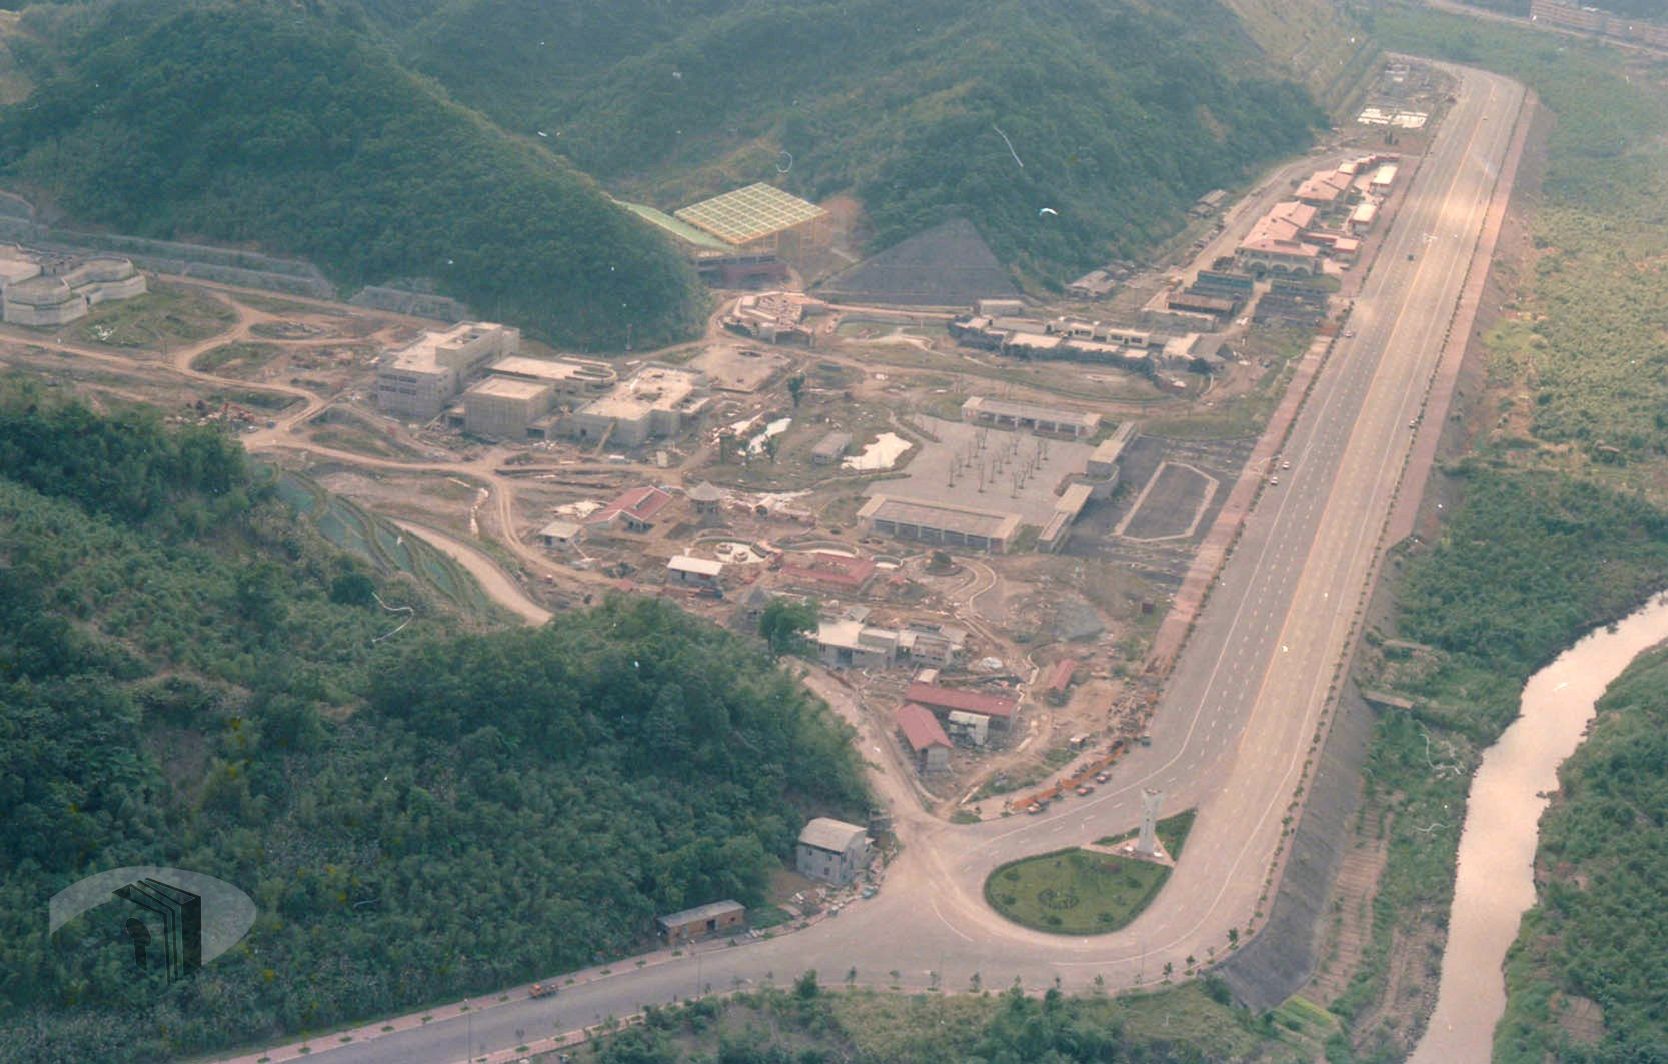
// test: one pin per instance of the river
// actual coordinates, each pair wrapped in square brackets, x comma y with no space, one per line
[1496,884]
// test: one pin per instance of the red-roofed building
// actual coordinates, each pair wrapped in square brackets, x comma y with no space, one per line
[1275,243]
[924,737]
[1059,679]
[826,571]
[999,708]
[1324,187]
[633,511]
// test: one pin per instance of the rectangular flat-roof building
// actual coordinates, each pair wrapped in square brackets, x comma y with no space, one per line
[693,572]
[417,380]
[559,534]
[941,523]
[848,643]
[658,401]
[831,448]
[569,378]
[1007,414]
[1363,217]
[832,851]
[714,918]
[502,408]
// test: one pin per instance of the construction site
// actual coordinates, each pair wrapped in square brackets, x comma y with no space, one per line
[991,504]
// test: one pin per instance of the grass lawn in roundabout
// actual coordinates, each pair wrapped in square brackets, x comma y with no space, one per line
[1077,892]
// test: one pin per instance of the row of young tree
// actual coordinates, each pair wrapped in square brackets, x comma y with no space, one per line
[417,816]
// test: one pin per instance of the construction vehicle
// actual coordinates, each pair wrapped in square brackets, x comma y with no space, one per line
[539,990]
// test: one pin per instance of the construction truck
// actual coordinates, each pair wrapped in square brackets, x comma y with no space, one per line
[539,990]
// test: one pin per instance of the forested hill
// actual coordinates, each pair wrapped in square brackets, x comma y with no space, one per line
[190,676]
[1120,112]
[290,127]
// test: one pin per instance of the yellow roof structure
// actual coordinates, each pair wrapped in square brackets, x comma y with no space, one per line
[748,214]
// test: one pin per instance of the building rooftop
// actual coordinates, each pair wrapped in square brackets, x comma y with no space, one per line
[704,492]
[700,913]
[641,503]
[823,567]
[1059,677]
[40,292]
[683,563]
[832,445]
[948,516]
[560,529]
[828,834]
[960,698]
[984,404]
[508,388]
[553,369]
[748,214]
[851,633]
[653,388]
[920,728]
[425,353]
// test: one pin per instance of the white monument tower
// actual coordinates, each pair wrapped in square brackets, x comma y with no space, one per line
[1147,846]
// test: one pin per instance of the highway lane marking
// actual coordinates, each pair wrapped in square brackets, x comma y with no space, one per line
[935,911]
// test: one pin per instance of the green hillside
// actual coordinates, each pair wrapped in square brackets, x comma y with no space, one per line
[269,124]
[1121,111]
[191,676]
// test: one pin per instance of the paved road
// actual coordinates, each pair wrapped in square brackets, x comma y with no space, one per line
[1234,728]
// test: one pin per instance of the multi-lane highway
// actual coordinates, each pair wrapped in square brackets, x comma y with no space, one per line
[1236,723]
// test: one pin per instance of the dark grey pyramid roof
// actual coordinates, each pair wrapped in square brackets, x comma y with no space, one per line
[949,265]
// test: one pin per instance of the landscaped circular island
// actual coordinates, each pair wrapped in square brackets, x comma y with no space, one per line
[1084,891]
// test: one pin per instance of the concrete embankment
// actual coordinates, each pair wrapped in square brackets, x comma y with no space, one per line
[1282,957]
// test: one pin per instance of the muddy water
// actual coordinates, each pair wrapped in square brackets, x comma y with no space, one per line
[1495,884]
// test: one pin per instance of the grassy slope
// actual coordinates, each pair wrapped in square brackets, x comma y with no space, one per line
[251,122]
[810,1023]
[1554,534]
[1121,110]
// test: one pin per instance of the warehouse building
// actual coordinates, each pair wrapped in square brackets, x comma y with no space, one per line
[998,709]
[418,380]
[944,524]
[1006,414]
[832,851]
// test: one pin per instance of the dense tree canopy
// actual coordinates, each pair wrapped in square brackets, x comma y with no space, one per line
[268,123]
[1120,112]
[440,813]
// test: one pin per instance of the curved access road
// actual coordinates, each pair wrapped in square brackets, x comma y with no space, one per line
[1233,731]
